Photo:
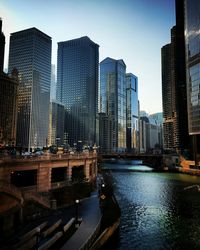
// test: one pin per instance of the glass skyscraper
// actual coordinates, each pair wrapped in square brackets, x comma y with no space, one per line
[174,88]
[132,112]
[30,54]
[56,124]
[113,99]
[77,88]
[192,44]
[192,25]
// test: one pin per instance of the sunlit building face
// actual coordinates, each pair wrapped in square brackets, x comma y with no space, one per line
[30,54]
[113,99]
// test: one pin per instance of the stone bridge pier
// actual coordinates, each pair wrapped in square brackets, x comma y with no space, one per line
[44,172]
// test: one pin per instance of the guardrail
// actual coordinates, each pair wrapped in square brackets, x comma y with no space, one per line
[47,157]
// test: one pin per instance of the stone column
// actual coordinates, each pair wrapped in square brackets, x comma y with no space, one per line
[43,178]
[69,173]
[87,170]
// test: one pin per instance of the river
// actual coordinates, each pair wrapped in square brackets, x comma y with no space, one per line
[158,210]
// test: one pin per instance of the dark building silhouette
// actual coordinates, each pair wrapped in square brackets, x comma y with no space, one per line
[105,133]
[56,124]
[192,40]
[8,100]
[77,88]
[8,108]
[2,46]
[174,88]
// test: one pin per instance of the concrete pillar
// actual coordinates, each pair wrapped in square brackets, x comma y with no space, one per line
[43,178]
[87,170]
[69,173]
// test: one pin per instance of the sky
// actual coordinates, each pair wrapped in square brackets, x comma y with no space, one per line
[132,30]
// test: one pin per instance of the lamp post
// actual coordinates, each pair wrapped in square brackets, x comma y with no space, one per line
[37,237]
[76,206]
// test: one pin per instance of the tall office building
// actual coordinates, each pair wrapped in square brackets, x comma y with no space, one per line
[2,46]
[167,97]
[53,83]
[132,113]
[105,133]
[113,99]
[192,40]
[30,53]
[174,91]
[8,100]
[56,124]
[8,108]
[77,88]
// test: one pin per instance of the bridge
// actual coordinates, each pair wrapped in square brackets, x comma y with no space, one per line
[25,179]
[44,171]
[152,160]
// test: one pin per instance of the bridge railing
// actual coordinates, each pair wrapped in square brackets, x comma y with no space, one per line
[47,157]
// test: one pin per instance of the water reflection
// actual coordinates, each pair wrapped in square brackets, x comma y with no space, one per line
[157,213]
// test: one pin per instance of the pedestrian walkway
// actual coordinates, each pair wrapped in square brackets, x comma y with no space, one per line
[91,215]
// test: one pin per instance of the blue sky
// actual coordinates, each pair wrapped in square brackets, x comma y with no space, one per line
[132,30]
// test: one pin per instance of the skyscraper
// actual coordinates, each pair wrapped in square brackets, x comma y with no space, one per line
[8,108]
[105,133]
[113,99]
[8,100]
[77,88]
[53,83]
[56,124]
[30,53]
[174,92]
[2,46]
[167,97]
[132,113]
[192,39]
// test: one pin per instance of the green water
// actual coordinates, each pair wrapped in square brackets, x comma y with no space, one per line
[157,211]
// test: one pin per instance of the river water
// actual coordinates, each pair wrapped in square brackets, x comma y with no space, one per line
[157,212]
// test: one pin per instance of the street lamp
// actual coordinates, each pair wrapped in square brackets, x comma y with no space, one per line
[76,216]
[37,237]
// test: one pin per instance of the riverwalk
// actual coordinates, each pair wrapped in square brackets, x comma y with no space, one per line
[91,218]
[88,210]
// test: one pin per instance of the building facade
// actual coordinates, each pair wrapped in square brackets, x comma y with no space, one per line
[105,133]
[192,44]
[77,88]
[132,113]
[2,46]
[30,54]
[167,97]
[53,83]
[113,99]
[56,124]
[150,135]
[174,91]
[8,108]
